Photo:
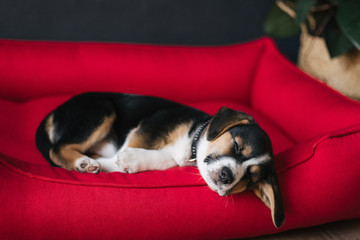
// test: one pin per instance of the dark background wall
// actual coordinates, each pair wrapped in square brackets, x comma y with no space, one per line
[186,22]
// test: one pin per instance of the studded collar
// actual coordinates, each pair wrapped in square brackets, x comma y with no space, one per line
[196,139]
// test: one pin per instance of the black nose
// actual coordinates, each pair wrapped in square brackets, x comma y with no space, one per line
[226,176]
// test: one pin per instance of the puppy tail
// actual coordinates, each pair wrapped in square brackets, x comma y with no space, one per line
[43,142]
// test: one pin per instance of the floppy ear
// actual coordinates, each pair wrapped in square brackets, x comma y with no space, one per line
[269,193]
[225,119]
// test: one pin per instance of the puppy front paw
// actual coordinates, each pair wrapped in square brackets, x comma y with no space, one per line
[87,165]
[129,161]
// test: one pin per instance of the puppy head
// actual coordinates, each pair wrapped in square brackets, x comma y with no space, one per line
[235,154]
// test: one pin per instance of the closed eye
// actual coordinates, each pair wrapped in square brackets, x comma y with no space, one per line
[237,148]
[210,158]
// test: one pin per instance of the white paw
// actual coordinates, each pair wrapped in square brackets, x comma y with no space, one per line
[130,161]
[87,165]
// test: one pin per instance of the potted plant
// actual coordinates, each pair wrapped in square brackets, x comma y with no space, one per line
[329,40]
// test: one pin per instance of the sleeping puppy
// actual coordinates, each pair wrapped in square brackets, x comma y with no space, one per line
[110,132]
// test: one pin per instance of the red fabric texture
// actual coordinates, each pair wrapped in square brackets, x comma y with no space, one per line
[315,133]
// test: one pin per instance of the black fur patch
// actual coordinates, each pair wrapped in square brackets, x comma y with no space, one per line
[76,119]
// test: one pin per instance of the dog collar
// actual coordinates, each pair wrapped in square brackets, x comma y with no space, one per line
[196,140]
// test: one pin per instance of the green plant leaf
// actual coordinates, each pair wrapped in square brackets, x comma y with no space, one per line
[348,19]
[302,9]
[336,42]
[279,24]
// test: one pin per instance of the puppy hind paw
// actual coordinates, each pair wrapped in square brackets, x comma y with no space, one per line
[88,165]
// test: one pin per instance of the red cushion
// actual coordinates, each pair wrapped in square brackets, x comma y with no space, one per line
[315,133]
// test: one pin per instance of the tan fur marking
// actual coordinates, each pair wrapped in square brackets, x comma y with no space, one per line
[139,139]
[240,187]
[268,191]
[258,192]
[221,145]
[265,192]
[69,153]
[66,156]
[242,184]
[178,132]
[49,128]
[247,150]
[239,140]
[99,134]
[94,155]
[255,170]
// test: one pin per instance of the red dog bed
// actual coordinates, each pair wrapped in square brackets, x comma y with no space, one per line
[315,133]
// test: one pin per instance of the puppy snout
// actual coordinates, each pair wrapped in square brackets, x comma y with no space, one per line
[226,176]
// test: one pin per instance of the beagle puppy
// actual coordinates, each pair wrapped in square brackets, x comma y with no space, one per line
[126,133]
